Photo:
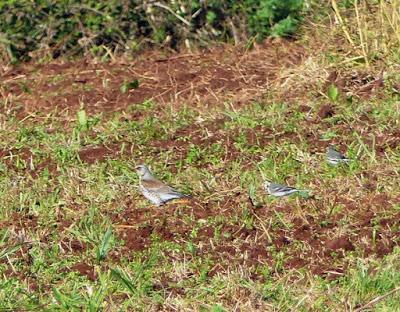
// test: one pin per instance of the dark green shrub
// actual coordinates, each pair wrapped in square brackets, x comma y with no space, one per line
[69,27]
[274,17]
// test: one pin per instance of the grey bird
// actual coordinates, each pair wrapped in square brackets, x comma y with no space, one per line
[155,190]
[334,157]
[279,190]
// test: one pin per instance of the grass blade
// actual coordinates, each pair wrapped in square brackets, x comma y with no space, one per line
[105,245]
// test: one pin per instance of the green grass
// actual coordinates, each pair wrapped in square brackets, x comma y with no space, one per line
[68,200]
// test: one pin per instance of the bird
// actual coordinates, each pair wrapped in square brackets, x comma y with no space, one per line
[279,190]
[153,189]
[334,157]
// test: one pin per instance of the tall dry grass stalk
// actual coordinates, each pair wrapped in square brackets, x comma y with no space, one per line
[371,29]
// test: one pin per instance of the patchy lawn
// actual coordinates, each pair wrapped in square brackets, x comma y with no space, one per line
[77,234]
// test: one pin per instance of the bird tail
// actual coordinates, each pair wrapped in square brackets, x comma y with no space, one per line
[180,195]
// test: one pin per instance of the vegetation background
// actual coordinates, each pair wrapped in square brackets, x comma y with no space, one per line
[67,27]
[215,96]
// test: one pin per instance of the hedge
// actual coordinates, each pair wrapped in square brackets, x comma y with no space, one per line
[70,27]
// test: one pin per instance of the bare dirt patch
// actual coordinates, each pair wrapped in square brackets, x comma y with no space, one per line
[92,154]
[19,222]
[323,250]
[26,160]
[204,78]
[85,269]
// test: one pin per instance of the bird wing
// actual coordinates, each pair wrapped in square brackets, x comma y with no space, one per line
[160,188]
[155,185]
[275,187]
[336,155]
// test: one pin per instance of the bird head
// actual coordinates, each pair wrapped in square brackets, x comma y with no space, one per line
[331,148]
[267,184]
[143,171]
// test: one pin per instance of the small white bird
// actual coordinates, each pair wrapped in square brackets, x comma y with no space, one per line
[279,190]
[155,190]
[334,157]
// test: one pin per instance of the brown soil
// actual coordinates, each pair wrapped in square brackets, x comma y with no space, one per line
[205,78]
[326,111]
[26,158]
[230,244]
[85,270]
[98,153]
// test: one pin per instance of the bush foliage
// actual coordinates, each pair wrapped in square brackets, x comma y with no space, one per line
[56,27]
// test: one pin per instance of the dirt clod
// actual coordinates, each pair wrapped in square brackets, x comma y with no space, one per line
[340,243]
[326,111]
[85,270]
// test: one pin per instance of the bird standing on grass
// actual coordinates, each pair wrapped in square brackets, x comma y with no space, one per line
[334,157]
[279,190]
[155,190]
